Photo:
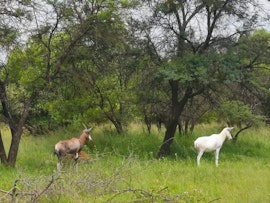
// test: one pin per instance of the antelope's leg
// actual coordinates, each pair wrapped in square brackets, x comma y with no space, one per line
[217,156]
[76,157]
[59,164]
[199,157]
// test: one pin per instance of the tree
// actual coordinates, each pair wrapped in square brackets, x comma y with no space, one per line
[31,70]
[15,11]
[101,69]
[235,113]
[196,36]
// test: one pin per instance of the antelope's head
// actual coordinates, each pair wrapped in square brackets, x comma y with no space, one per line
[87,133]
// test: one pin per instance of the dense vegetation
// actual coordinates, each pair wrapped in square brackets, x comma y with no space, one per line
[179,63]
[136,71]
[125,169]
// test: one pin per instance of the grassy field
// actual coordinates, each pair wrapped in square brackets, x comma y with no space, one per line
[124,168]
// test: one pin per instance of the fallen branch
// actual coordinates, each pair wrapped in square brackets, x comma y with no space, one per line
[53,180]
[16,193]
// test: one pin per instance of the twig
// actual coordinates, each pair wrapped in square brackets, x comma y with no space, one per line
[215,200]
[45,189]
[140,192]
[13,194]
[6,193]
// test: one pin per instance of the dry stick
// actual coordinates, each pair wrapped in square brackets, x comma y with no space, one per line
[215,199]
[13,194]
[46,188]
[6,193]
[136,191]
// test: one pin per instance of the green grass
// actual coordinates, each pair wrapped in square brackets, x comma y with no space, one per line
[125,169]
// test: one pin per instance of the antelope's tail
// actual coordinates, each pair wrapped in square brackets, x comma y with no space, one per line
[195,144]
[56,152]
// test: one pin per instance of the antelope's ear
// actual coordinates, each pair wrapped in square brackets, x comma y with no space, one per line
[231,128]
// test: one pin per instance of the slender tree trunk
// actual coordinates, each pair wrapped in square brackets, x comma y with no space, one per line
[3,156]
[118,126]
[17,130]
[186,126]
[147,122]
[116,122]
[14,147]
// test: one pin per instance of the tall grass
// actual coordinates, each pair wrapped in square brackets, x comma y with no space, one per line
[124,168]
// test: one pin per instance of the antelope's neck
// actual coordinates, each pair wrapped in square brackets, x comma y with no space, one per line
[82,139]
[224,135]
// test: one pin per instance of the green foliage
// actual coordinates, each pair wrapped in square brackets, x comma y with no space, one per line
[255,45]
[107,74]
[26,68]
[168,7]
[237,113]
[252,53]
[8,35]
[188,69]
[205,69]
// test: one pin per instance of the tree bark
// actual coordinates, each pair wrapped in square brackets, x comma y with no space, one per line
[168,139]
[15,127]
[241,130]
[3,156]
[17,130]
[118,126]
[177,108]
[8,119]
[14,147]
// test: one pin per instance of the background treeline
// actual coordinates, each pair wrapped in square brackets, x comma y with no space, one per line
[176,63]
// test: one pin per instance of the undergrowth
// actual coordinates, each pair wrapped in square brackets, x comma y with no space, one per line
[125,168]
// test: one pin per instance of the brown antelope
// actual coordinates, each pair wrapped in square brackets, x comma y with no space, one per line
[72,146]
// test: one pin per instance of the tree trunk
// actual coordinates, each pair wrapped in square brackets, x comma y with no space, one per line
[186,127]
[14,147]
[16,127]
[118,126]
[116,122]
[3,156]
[147,122]
[176,110]
[168,139]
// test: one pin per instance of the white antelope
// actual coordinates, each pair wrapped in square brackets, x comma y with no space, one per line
[212,143]
[72,146]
